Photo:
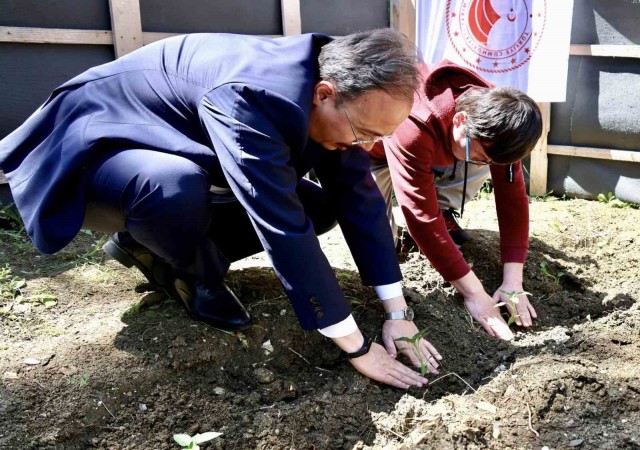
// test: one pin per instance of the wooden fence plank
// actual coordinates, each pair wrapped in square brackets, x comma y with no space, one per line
[619,51]
[403,18]
[595,153]
[539,160]
[55,36]
[291,18]
[126,25]
[25,35]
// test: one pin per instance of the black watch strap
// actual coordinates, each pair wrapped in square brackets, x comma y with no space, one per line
[366,345]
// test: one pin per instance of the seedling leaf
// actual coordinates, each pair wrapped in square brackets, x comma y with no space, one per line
[414,341]
[204,437]
[182,439]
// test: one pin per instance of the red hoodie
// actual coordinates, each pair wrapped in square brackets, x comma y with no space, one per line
[423,141]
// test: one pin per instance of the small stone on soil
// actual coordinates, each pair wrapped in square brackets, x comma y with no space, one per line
[264,376]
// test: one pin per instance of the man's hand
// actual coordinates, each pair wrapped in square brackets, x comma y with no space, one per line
[484,311]
[523,309]
[482,307]
[394,329]
[377,364]
[380,366]
[512,282]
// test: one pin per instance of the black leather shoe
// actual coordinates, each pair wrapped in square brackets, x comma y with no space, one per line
[457,233]
[214,305]
[124,249]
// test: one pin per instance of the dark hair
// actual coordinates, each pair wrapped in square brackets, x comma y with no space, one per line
[377,59]
[505,120]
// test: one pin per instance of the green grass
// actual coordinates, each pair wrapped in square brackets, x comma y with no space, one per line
[10,285]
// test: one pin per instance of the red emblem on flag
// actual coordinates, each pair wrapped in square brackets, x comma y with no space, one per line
[495,35]
[481,20]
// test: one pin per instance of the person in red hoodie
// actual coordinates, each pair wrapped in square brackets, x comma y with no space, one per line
[461,130]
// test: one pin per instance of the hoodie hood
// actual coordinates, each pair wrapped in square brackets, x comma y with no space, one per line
[442,84]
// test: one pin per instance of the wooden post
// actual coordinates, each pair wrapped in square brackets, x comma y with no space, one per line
[539,161]
[126,25]
[291,18]
[403,18]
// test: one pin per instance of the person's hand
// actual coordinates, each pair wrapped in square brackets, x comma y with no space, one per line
[512,282]
[394,329]
[523,310]
[378,365]
[483,309]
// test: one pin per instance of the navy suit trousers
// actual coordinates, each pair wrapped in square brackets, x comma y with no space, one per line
[164,201]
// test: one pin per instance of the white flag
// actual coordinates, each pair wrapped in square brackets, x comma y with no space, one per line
[519,43]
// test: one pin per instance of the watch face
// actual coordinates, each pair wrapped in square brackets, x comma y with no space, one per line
[408,313]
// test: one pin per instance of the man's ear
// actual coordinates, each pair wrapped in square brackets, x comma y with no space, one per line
[459,118]
[323,91]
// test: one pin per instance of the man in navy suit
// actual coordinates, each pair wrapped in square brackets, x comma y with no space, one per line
[193,150]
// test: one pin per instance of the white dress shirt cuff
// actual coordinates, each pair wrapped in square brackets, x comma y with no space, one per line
[387,291]
[347,326]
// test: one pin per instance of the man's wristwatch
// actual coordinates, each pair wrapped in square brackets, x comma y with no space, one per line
[405,314]
[366,346]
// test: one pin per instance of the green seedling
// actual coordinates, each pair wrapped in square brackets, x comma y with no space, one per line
[187,442]
[612,200]
[415,346]
[544,270]
[10,286]
[95,251]
[9,215]
[512,300]
[486,188]
[243,340]
[559,227]
[80,380]
[47,300]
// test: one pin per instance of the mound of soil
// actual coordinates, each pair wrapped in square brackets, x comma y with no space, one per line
[90,358]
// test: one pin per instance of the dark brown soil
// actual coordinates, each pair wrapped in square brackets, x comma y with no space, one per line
[118,367]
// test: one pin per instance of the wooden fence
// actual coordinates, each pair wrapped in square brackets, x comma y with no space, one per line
[126,35]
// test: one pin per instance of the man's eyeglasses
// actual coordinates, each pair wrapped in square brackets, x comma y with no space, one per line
[361,141]
[471,161]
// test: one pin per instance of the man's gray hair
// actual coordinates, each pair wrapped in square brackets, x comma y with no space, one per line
[378,59]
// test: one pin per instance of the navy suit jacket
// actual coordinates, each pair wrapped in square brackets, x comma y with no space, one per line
[239,107]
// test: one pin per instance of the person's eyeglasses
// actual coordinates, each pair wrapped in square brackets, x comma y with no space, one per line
[471,161]
[357,141]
